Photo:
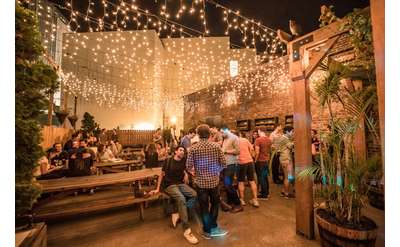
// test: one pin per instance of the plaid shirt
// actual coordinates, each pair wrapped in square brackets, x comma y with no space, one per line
[208,161]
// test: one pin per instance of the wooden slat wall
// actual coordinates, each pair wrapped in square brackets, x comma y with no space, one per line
[53,134]
[135,137]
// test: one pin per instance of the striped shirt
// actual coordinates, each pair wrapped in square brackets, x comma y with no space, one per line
[207,160]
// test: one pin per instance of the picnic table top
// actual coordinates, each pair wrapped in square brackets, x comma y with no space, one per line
[117,163]
[74,183]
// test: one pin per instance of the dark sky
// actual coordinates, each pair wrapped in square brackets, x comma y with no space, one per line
[272,13]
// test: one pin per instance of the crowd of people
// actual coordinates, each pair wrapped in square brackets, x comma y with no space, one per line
[211,166]
[203,171]
[78,155]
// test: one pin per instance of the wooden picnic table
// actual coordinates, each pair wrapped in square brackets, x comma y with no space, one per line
[113,166]
[88,182]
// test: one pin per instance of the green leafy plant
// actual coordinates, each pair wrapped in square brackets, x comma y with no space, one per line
[89,126]
[34,81]
[343,172]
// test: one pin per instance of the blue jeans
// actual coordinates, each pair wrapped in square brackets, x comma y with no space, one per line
[229,173]
[262,172]
[209,206]
[179,192]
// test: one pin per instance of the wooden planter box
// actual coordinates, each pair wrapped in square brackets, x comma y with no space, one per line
[34,237]
[334,235]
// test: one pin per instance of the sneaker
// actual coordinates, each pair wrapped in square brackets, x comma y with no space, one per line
[190,237]
[218,232]
[205,235]
[174,219]
[254,203]
[242,202]
[262,198]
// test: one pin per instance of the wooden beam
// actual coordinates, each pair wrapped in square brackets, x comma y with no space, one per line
[302,139]
[378,34]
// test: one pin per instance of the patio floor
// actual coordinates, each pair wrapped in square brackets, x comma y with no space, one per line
[273,224]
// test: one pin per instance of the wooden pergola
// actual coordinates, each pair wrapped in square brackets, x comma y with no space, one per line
[305,54]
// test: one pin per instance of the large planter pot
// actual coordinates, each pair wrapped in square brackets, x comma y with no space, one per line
[332,234]
[61,115]
[72,119]
[376,197]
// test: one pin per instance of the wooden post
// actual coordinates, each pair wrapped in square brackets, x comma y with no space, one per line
[302,139]
[378,34]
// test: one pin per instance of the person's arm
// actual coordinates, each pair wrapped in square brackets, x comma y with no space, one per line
[251,149]
[159,180]
[186,177]
[221,158]
[190,163]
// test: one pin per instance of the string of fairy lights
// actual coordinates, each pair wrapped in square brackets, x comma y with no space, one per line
[119,47]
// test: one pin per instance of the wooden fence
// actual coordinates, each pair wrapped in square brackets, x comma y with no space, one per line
[135,137]
[53,134]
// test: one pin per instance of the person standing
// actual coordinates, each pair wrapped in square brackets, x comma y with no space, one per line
[246,169]
[206,161]
[186,140]
[285,145]
[277,172]
[175,183]
[231,150]
[263,150]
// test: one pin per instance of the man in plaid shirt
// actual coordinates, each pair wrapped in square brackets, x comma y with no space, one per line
[206,161]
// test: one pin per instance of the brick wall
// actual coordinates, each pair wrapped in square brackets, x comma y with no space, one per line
[262,93]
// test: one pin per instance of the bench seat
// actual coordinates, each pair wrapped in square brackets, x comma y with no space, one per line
[83,204]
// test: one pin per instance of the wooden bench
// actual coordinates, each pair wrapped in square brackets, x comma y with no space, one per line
[54,207]
[85,204]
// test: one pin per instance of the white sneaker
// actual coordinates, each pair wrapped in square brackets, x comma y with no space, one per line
[254,203]
[242,202]
[190,237]
[174,219]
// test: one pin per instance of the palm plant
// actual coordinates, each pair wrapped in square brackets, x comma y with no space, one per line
[342,171]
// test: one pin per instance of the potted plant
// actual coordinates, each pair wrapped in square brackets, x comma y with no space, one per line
[34,81]
[343,173]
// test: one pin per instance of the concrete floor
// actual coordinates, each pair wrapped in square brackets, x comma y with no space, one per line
[273,224]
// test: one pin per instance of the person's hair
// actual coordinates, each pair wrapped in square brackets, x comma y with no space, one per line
[84,140]
[54,145]
[151,149]
[314,131]
[224,127]
[243,134]
[262,129]
[179,146]
[287,129]
[75,134]
[192,131]
[203,130]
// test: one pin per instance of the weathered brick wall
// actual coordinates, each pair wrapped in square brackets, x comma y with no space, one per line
[269,96]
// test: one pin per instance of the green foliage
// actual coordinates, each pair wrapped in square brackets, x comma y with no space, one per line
[360,30]
[88,124]
[34,80]
[343,172]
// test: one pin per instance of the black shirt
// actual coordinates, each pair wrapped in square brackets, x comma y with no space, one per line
[174,171]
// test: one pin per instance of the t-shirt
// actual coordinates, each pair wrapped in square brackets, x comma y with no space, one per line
[174,171]
[231,143]
[265,148]
[245,147]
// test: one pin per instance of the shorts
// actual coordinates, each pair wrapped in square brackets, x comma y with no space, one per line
[246,170]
